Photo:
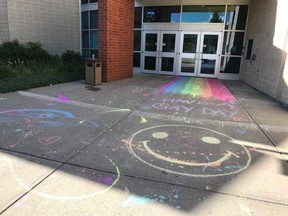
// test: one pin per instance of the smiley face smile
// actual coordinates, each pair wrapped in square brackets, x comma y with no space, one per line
[189,151]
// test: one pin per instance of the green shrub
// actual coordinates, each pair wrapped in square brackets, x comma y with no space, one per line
[34,52]
[12,53]
[25,66]
[15,53]
[5,71]
[71,57]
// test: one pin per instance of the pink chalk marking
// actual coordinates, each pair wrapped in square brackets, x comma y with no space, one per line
[49,140]
[219,91]
[63,98]
[108,180]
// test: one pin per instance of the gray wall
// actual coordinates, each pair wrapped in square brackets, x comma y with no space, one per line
[4,28]
[53,23]
[265,27]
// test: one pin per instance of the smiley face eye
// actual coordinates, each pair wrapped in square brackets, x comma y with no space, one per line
[160,135]
[211,140]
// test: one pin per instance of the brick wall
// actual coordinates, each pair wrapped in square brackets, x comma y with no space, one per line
[54,23]
[268,27]
[116,33]
[4,28]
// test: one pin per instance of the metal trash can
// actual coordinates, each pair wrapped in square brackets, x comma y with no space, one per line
[93,72]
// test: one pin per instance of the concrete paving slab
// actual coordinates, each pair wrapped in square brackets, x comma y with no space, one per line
[32,170]
[195,155]
[147,146]
[196,98]
[80,191]
[279,137]
[125,94]
[54,128]
[243,91]
[271,116]
[268,113]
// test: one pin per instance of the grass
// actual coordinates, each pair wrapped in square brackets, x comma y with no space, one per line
[32,75]
[25,66]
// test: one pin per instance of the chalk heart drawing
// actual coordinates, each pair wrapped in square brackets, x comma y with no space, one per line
[204,153]
[20,124]
[49,140]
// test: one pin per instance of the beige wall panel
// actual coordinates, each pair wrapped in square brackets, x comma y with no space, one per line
[53,23]
[266,73]
[4,28]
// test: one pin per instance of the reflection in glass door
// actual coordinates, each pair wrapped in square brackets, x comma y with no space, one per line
[160,52]
[189,53]
[199,54]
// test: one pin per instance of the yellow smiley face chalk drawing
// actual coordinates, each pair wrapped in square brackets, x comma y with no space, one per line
[189,151]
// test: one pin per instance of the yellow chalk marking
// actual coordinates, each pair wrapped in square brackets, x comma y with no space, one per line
[160,135]
[211,140]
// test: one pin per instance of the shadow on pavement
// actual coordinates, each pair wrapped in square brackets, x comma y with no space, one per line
[176,149]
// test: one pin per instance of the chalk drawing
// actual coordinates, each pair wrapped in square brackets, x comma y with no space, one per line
[50,140]
[19,124]
[171,199]
[198,87]
[110,181]
[208,153]
[63,98]
[143,120]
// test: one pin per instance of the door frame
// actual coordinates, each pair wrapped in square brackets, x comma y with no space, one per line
[159,52]
[198,55]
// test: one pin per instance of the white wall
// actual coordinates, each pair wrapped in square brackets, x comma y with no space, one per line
[267,26]
[53,23]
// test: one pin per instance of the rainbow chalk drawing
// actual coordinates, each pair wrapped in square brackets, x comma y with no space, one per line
[198,87]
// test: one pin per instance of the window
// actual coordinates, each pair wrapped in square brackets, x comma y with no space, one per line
[136,59]
[249,49]
[94,19]
[233,43]
[89,33]
[84,2]
[137,37]
[137,40]
[203,14]
[87,1]
[234,33]
[236,17]
[138,17]
[85,22]
[230,64]
[170,14]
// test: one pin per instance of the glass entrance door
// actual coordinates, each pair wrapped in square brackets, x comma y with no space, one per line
[199,54]
[159,55]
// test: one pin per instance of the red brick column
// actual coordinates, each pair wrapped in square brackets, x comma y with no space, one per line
[116,33]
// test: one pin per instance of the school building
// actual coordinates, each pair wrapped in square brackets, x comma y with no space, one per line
[226,39]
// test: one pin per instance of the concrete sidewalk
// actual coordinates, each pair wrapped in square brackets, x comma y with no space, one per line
[150,145]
